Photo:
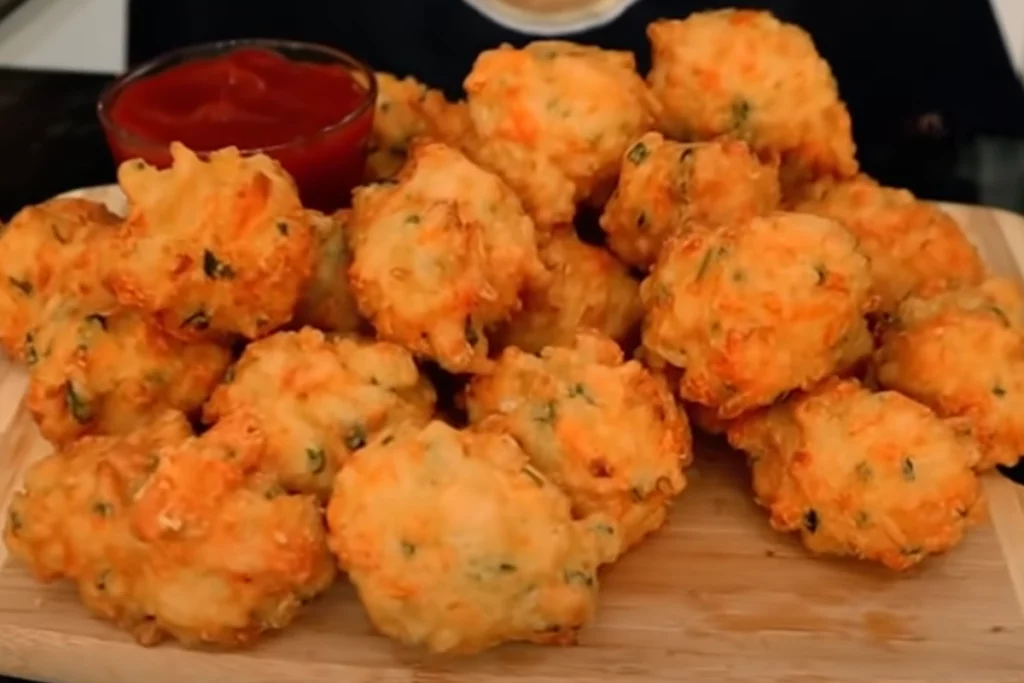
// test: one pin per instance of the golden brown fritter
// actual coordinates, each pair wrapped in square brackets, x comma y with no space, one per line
[554,119]
[440,256]
[962,354]
[406,110]
[212,247]
[911,244]
[170,535]
[757,308]
[589,289]
[875,476]
[456,544]
[747,74]
[320,399]
[50,251]
[606,431]
[665,185]
[327,302]
[110,371]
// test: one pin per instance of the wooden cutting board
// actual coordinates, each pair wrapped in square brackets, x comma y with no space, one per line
[715,596]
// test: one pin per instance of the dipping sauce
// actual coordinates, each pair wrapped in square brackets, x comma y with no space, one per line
[309,107]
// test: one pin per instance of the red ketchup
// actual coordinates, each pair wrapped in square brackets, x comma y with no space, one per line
[315,118]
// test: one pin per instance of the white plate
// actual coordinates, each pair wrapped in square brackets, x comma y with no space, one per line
[583,15]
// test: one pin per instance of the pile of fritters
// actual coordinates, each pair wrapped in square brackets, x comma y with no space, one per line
[238,391]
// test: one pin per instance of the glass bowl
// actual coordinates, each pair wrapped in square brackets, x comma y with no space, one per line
[326,164]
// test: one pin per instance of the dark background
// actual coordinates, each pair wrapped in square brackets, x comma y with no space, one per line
[902,65]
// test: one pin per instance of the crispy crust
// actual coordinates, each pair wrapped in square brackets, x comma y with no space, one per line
[875,476]
[456,544]
[757,308]
[605,430]
[962,354]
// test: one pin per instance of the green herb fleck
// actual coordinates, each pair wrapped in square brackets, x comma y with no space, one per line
[14,521]
[706,263]
[356,437]
[102,509]
[471,334]
[637,153]
[605,529]
[24,285]
[316,460]
[637,493]
[282,227]
[740,113]
[907,469]
[198,320]
[533,474]
[383,107]
[998,391]
[545,413]
[273,492]
[579,390]
[412,219]
[77,406]
[408,549]
[863,471]
[55,231]
[97,320]
[216,269]
[387,439]
[31,355]
[578,578]
[999,313]
[861,519]
[506,568]
[811,520]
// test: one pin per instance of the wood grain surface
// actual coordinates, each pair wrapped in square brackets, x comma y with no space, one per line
[714,596]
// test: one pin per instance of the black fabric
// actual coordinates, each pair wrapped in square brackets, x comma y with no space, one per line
[903,66]
[896,60]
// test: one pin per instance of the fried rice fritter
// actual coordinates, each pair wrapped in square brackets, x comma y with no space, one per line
[456,544]
[962,354]
[111,372]
[745,73]
[320,399]
[588,289]
[441,255]
[212,247]
[327,302]
[169,535]
[666,185]
[606,431]
[554,119]
[911,244]
[875,476]
[406,110]
[757,308]
[50,251]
